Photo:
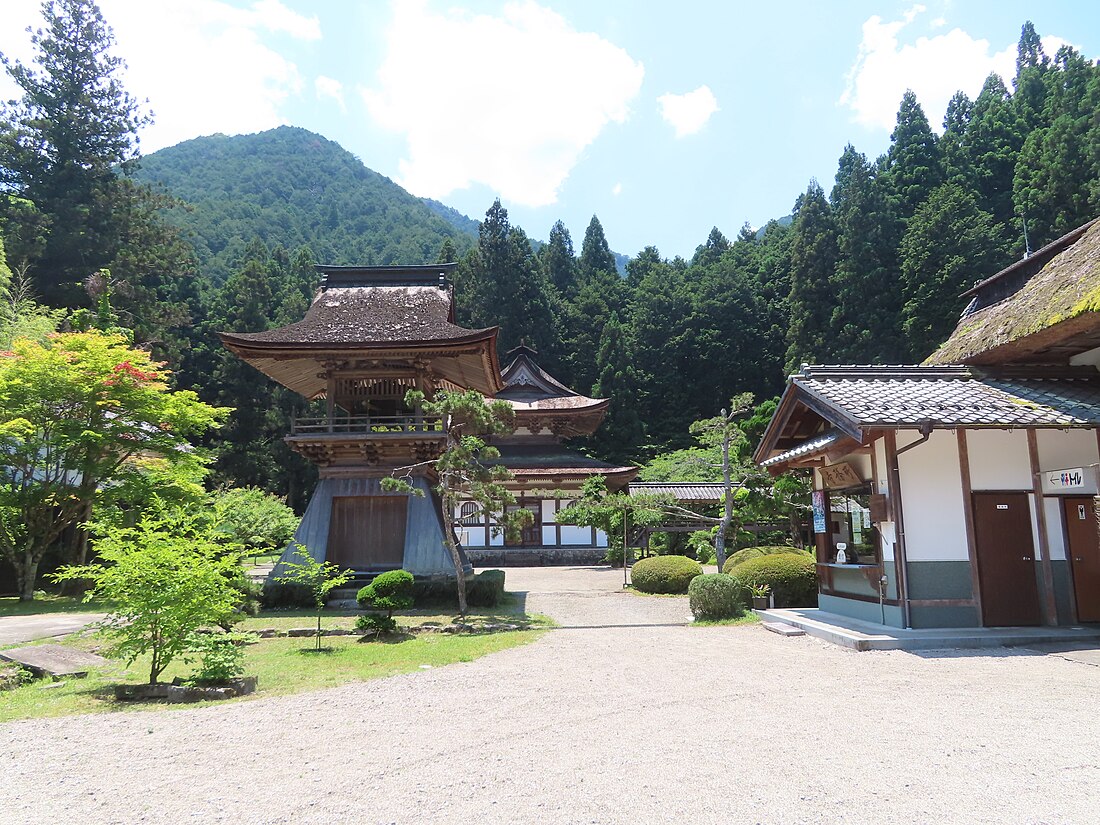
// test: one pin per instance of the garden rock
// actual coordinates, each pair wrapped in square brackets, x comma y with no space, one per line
[54,660]
[180,694]
[301,632]
[141,693]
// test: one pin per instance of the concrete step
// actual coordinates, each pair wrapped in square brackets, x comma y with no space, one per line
[783,629]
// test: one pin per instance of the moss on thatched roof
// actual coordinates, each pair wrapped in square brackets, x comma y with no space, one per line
[1061,301]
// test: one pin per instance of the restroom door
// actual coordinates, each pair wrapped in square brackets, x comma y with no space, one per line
[1084,555]
[1006,559]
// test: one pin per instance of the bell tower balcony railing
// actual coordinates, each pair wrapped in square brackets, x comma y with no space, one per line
[368,425]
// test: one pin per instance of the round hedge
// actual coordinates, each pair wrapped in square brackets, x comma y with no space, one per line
[742,556]
[792,577]
[715,596]
[664,574]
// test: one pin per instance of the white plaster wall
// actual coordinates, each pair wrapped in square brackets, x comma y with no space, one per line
[601,538]
[549,536]
[882,485]
[549,510]
[1060,449]
[1056,537]
[999,460]
[932,502]
[574,536]
[471,536]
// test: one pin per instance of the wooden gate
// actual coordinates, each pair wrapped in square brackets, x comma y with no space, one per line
[367,532]
[1006,559]
[1084,555]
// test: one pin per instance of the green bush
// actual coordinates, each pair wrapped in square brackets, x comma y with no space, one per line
[714,596]
[280,596]
[664,574]
[792,577]
[221,656]
[375,623]
[742,556]
[389,591]
[486,589]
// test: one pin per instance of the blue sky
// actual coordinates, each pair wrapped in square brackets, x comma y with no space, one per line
[662,119]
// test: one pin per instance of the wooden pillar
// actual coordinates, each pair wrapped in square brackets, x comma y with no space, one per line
[330,399]
[893,483]
[1050,609]
[968,520]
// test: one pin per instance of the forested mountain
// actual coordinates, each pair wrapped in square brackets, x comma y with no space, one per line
[294,188]
[869,270]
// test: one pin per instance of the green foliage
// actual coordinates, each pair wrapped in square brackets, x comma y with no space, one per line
[375,623]
[291,187]
[701,543]
[164,579]
[465,469]
[606,511]
[716,596]
[389,591]
[277,595]
[813,260]
[792,577]
[487,588]
[319,578]
[744,555]
[221,656]
[252,519]
[664,574]
[78,411]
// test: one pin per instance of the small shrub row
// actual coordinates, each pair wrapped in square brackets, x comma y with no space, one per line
[742,556]
[664,574]
[792,577]
[486,589]
[716,596]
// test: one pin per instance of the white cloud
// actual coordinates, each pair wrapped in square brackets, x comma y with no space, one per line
[329,87]
[688,113]
[933,67]
[203,64]
[617,189]
[507,101]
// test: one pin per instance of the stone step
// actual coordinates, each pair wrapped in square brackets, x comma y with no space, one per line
[783,629]
[54,660]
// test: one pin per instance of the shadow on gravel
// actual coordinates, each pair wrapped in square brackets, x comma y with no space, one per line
[620,625]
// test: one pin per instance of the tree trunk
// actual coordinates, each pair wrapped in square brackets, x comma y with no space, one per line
[727,515]
[460,574]
[27,573]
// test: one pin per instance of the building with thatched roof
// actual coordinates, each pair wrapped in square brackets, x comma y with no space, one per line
[960,492]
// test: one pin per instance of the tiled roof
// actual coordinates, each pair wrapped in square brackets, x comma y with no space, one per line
[807,447]
[530,388]
[955,396]
[686,492]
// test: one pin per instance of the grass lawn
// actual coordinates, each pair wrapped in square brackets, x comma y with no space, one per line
[748,618]
[11,606]
[280,664]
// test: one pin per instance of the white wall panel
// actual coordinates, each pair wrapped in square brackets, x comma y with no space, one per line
[931,494]
[998,460]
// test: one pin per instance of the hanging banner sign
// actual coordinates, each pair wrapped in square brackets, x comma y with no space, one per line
[819,511]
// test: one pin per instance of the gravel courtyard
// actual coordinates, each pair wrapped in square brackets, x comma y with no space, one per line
[623,715]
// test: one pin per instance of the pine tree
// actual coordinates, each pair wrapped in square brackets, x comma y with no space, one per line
[864,320]
[715,247]
[1030,83]
[557,261]
[813,260]
[949,245]
[622,431]
[63,144]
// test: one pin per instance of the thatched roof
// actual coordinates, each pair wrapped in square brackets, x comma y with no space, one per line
[1043,312]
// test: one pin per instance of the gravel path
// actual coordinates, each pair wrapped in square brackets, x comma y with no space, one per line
[623,715]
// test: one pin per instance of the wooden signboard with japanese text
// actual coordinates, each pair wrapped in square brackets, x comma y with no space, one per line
[839,476]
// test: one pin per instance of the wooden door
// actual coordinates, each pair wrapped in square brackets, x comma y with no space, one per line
[1006,559]
[367,532]
[1084,555]
[531,535]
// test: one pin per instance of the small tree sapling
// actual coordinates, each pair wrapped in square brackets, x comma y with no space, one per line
[320,578]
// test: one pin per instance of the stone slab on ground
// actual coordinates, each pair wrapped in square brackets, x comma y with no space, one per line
[15,630]
[54,660]
[783,629]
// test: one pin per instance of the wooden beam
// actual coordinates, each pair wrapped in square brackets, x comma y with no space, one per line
[893,481]
[1050,609]
[968,520]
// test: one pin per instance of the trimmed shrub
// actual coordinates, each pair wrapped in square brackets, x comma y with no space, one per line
[792,577]
[664,574]
[742,556]
[715,596]
[389,591]
[375,623]
[486,589]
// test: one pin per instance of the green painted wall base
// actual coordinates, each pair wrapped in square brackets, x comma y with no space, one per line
[864,611]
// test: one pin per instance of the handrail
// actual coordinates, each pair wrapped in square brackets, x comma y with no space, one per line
[363,424]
